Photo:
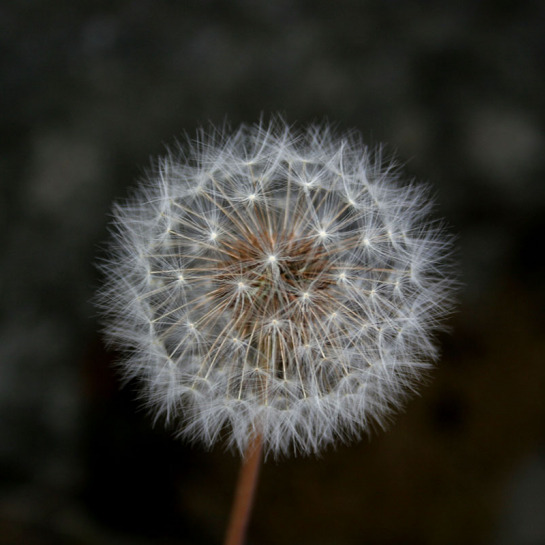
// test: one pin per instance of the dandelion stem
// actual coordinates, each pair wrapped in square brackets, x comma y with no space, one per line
[244,495]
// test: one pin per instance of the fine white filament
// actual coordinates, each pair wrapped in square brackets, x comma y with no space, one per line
[276,282]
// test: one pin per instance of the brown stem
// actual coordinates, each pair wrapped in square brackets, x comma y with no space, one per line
[244,495]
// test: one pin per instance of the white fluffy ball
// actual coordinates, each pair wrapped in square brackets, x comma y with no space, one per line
[276,282]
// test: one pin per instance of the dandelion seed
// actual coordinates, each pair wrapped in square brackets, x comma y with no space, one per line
[309,317]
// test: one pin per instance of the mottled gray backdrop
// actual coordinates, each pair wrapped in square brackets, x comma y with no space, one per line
[91,90]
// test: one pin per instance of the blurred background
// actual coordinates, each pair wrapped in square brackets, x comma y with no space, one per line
[91,90]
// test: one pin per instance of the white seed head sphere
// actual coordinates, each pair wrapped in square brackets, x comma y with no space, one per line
[276,282]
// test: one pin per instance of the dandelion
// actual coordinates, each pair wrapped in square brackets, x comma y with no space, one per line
[276,285]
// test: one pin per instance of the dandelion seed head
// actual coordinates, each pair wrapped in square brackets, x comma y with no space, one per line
[279,282]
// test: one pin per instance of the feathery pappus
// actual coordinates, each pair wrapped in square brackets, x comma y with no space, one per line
[278,282]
